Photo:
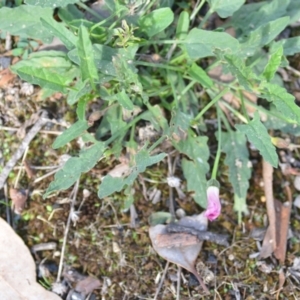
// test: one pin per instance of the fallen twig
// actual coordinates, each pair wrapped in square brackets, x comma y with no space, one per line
[269,243]
[26,141]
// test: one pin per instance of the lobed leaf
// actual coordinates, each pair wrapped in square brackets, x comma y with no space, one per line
[156,21]
[46,78]
[273,64]
[262,36]
[284,102]
[225,8]
[74,167]
[50,3]
[251,16]
[198,74]
[25,21]
[60,31]
[86,56]
[195,171]
[234,144]
[202,43]
[258,135]
[142,159]
[70,134]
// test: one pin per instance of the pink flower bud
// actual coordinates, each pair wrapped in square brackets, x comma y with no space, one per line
[213,209]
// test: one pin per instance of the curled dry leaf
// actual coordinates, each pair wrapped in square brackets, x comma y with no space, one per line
[87,285]
[180,248]
[18,198]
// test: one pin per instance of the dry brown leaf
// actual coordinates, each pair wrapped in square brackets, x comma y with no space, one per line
[18,198]
[6,76]
[183,253]
[87,285]
[17,272]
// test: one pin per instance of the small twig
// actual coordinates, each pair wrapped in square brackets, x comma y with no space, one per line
[161,280]
[220,239]
[26,141]
[268,186]
[74,195]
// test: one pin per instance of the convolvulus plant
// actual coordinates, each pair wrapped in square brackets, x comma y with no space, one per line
[147,65]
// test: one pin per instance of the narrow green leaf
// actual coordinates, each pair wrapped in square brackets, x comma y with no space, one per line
[81,106]
[225,8]
[195,147]
[182,25]
[114,118]
[74,167]
[201,43]
[111,184]
[236,66]
[60,31]
[156,21]
[86,56]
[50,3]
[80,89]
[273,64]
[251,16]
[291,45]
[25,21]
[195,176]
[124,100]
[70,134]
[234,144]
[179,125]
[258,135]
[262,36]
[284,102]
[198,74]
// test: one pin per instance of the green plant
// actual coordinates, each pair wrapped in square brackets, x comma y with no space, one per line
[120,59]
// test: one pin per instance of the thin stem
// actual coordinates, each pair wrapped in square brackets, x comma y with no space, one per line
[225,121]
[159,141]
[210,104]
[154,65]
[161,280]
[116,135]
[74,195]
[196,10]
[235,112]
[244,110]
[209,13]
[91,11]
[218,155]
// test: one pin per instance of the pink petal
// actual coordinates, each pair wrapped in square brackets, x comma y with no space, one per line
[213,209]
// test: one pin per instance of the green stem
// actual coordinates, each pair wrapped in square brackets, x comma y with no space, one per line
[123,131]
[91,11]
[159,141]
[210,104]
[209,13]
[225,121]
[244,110]
[218,155]
[196,10]
[235,112]
[154,65]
